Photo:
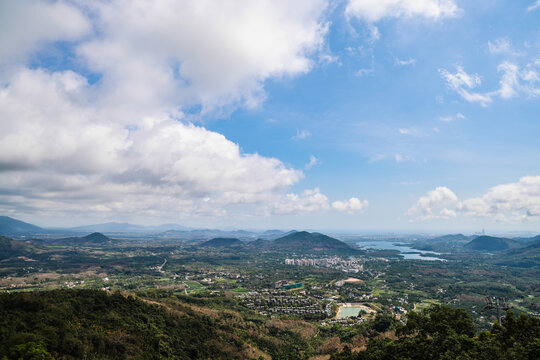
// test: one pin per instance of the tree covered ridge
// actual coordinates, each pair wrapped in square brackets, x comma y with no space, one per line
[76,324]
[92,324]
[441,332]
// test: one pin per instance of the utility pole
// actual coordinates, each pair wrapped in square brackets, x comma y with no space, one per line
[498,303]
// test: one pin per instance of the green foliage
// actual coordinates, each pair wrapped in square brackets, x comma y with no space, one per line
[94,324]
[440,332]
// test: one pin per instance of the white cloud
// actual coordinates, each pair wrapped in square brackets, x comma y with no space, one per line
[312,162]
[462,83]
[362,72]
[308,201]
[407,62]
[513,82]
[301,134]
[352,205]
[502,46]
[375,10]
[124,144]
[220,53]
[513,202]
[412,131]
[434,205]
[46,134]
[534,6]
[452,118]
[27,25]
[400,158]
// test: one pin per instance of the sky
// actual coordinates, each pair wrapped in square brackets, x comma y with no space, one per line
[350,115]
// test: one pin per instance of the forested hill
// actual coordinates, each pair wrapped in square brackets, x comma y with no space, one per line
[440,332]
[222,242]
[10,247]
[303,240]
[92,324]
[80,324]
[490,243]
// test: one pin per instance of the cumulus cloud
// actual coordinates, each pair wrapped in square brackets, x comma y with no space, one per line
[125,144]
[435,205]
[513,82]
[48,132]
[375,10]
[352,205]
[220,53]
[308,201]
[513,202]
[27,25]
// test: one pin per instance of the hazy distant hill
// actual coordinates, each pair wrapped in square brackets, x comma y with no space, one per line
[10,226]
[201,234]
[529,249]
[491,243]
[91,239]
[453,238]
[222,242]
[116,227]
[303,240]
[527,239]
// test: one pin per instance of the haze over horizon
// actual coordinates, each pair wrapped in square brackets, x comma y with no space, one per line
[378,115]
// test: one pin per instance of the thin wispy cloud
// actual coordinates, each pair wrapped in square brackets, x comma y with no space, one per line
[301,134]
[450,118]
[312,162]
[406,62]
[534,6]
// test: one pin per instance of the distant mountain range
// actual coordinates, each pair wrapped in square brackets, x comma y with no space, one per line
[10,226]
[301,241]
[88,240]
[17,228]
[270,239]
[116,227]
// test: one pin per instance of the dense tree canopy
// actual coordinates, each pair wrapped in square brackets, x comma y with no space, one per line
[441,332]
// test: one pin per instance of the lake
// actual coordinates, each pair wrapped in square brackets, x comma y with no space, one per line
[404,250]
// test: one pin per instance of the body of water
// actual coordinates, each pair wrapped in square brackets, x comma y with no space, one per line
[351,310]
[404,250]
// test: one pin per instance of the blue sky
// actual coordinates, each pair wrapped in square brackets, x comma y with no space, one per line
[352,115]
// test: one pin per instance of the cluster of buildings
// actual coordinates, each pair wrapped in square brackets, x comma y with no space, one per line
[280,303]
[349,265]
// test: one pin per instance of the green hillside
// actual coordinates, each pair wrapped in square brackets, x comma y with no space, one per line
[10,247]
[491,243]
[303,240]
[88,240]
[80,324]
[222,242]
